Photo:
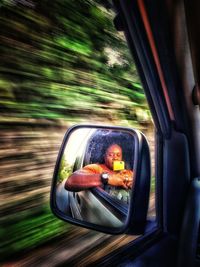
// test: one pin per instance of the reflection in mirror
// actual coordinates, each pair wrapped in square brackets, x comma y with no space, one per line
[95,175]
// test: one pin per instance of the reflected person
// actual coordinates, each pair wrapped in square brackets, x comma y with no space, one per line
[103,175]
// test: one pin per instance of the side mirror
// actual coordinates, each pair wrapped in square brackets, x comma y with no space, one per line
[102,179]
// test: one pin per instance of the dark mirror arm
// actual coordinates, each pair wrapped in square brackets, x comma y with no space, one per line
[140,200]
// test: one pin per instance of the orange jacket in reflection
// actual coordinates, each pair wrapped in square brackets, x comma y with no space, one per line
[91,175]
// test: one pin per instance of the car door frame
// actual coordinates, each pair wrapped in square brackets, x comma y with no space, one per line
[156,58]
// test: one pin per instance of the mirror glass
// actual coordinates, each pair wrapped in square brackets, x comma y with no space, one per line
[95,175]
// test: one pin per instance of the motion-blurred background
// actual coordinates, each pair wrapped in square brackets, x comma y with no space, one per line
[61,62]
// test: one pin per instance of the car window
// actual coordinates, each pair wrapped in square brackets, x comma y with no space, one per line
[62,63]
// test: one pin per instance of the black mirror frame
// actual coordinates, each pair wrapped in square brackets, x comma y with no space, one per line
[136,217]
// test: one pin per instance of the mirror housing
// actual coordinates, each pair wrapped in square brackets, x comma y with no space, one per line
[123,218]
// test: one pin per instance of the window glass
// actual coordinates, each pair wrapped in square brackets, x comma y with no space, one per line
[62,63]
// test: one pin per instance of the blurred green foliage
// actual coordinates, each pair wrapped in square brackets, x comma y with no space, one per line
[64,60]
[28,229]
[153,184]
[65,170]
